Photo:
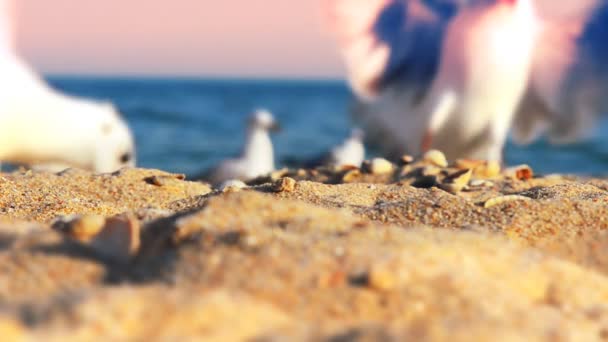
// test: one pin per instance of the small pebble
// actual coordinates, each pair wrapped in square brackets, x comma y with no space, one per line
[285,184]
[436,158]
[380,166]
[381,278]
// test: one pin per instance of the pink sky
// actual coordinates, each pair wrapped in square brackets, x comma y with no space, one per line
[276,38]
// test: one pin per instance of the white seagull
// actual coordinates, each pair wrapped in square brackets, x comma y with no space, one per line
[257,156]
[456,74]
[350,152]
[39,125]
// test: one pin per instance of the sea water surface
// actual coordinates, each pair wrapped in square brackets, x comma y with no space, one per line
[188,125]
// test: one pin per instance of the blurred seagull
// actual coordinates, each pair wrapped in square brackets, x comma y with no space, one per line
[350,152]
[39,125]
[456,75]
[257,157]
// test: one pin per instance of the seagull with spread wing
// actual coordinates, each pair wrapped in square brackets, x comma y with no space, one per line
[457,75]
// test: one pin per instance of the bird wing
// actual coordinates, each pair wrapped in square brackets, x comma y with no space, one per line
[389,42]
[569,79]
[392,51]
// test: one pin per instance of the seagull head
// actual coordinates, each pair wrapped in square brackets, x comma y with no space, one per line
[115,147]
[263,119]
[357,134]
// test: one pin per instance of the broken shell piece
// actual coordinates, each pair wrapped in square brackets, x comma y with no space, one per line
[285,184]
[351,176]
[520,172]
[117,238]
[233,185]
[80,228]
[436,158]
[157,180]
[480,183]
[380,166]
[406,159]
[503,199]
[468,163]
[162,180]
[481,168]
[490,169]
[457,181]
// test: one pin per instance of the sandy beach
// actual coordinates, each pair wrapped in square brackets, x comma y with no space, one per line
[387,252]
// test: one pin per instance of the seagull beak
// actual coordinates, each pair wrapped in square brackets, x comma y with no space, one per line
[275,127]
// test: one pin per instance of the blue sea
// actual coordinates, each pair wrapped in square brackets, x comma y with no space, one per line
[188,125]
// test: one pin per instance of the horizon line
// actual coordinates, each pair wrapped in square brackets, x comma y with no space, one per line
[179,76]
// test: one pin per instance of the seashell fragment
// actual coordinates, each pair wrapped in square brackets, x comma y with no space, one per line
[380,166]
[435,157]
[406,159]
[481,168]
[468,163]
[490,169]
[285,184]
[351,176]
[503,199]
[457,181]
[233,185]
[162,180]
[119,239]
[519,172]
[480,183]
[116,238]
[81,228]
